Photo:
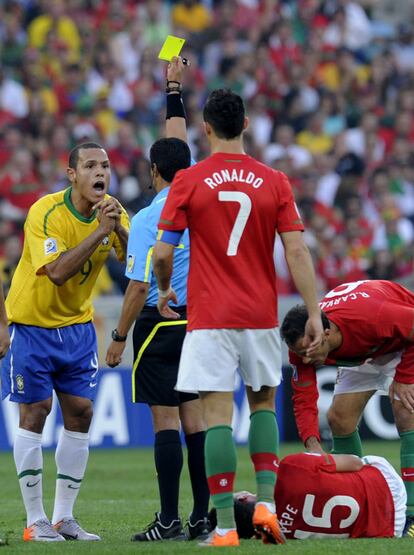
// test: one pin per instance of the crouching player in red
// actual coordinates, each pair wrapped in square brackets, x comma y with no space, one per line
[331,496]
[369,336]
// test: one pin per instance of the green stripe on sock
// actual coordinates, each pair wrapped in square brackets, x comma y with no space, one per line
[221,457]
[30,472]
[407,461]
[64,477]
[347,445]
[264,438]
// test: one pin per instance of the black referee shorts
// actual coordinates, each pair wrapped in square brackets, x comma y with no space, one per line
[157,351]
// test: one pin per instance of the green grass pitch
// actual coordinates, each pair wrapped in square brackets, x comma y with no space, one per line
[119,497]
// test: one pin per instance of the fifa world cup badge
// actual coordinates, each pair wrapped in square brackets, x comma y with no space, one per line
[130,263]
[20,383]
[105,241]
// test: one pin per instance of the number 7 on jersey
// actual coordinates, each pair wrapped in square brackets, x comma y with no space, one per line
[241,219]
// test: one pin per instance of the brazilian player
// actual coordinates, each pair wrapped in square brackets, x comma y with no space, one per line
[68,237]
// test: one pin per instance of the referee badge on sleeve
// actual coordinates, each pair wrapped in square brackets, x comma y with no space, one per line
[50,246]
[130,263]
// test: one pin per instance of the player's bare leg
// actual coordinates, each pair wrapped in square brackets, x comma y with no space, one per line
[405,425]
[343,416]
[264,446]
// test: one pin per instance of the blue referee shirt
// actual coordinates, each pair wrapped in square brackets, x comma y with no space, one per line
[142,238]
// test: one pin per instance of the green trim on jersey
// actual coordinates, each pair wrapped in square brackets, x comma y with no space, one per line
[48,214]
[71,208]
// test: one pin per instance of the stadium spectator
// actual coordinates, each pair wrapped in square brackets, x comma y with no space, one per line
[190,15]
[359,84]
[13,100]
[55,19]
[368,335]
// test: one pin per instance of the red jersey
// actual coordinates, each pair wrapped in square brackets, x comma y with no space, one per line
[232,206]
[375,317]
[313,500]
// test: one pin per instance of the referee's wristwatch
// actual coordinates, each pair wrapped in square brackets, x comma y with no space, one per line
[116,337]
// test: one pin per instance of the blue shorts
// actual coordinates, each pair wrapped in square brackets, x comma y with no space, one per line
[41,360]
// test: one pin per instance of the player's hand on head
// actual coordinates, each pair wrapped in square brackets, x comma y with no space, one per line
[114,353]
[404,392]
[314,334]
[175,69]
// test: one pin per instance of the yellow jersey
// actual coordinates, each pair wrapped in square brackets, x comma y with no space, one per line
[53,226]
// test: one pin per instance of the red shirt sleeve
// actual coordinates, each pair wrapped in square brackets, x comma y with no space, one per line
[305,398]
[310,461]
[288,218]
[174,214]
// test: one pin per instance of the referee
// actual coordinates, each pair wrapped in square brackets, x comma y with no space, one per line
[157,340]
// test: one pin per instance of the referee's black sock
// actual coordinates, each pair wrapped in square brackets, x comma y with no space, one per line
[196,468]
[168,457]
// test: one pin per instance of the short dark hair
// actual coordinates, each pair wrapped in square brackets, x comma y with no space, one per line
[243,514]
[293,325]
[170,155]
[74,153]
[224,111]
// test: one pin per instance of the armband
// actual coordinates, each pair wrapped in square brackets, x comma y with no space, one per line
[170,237]
[175,106]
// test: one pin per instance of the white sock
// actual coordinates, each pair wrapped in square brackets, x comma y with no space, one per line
[71,456]
[223,531]
[27,452]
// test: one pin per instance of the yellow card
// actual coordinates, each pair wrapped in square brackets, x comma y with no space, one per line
[172,47]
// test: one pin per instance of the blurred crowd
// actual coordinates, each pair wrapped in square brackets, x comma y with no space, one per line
[329,89]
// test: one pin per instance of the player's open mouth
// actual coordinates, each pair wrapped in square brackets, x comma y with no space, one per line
[99,187]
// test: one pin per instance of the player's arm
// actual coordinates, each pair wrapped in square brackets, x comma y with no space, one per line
[347,463]
[122,234]
[305,404]
[73,260]
[121,225]
[175,125]
[397,322]
[173,222]
[301,268]
[134,301]
[4,330]
[162,260]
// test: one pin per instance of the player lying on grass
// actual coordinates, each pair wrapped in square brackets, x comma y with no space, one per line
[331,496]
[369,328]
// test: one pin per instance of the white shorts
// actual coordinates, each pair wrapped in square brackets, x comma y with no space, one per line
[374,375]
[397,489]
[210,359]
